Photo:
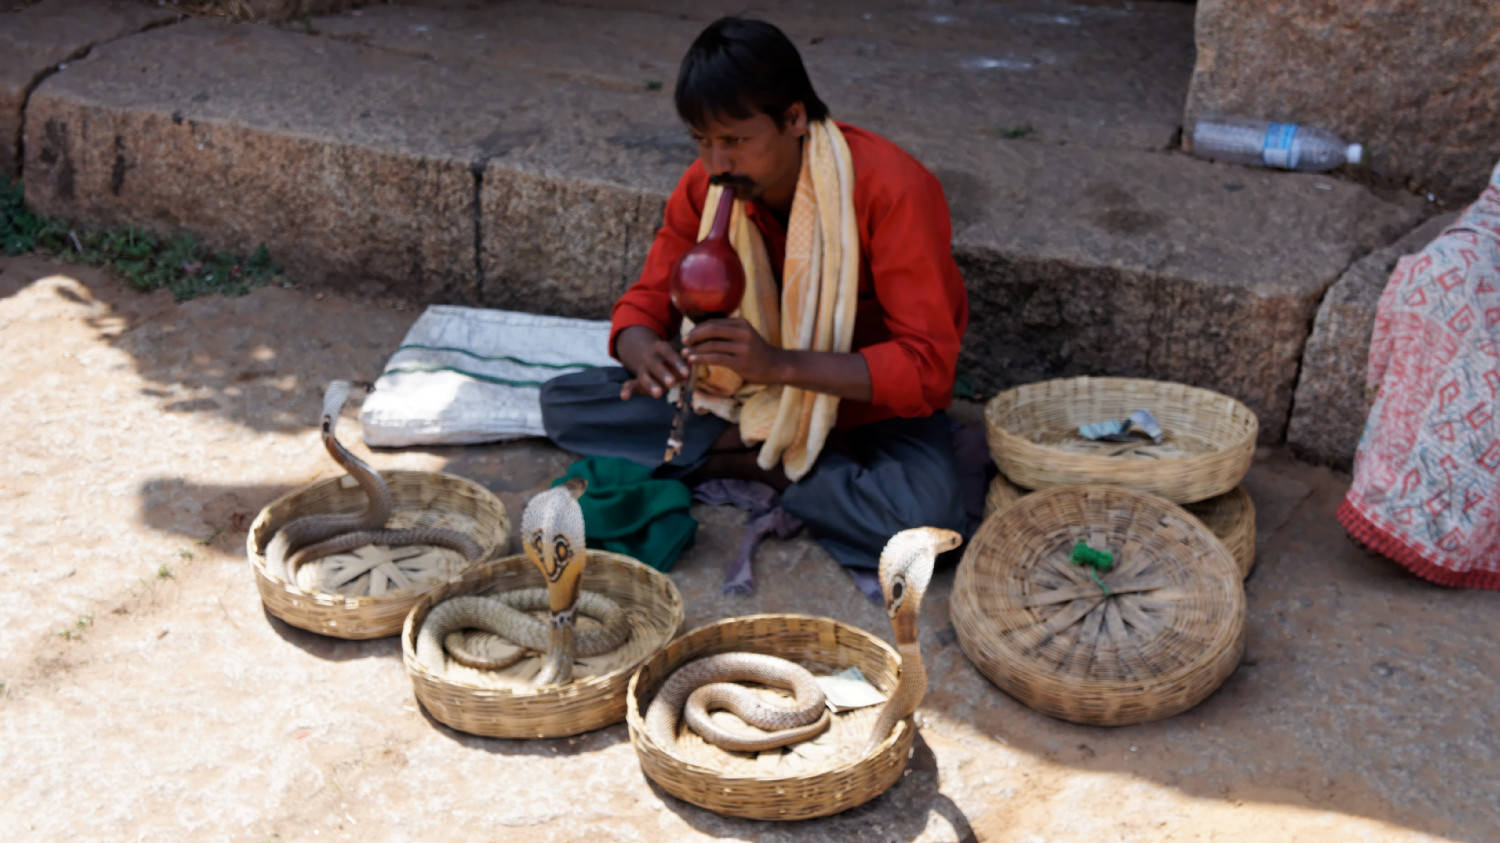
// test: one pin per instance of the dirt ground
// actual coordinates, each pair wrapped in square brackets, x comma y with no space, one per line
[148,696]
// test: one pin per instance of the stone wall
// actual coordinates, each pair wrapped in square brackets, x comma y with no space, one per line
[1416,81]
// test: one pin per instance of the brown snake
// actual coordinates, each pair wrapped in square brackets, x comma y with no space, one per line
[707,683]
[310,537]
[906,565]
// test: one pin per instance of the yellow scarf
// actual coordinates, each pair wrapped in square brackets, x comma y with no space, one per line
[819,290]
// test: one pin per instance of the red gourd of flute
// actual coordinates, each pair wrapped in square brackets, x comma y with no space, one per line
[707,283]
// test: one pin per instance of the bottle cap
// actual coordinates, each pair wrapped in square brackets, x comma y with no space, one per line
[1354,153]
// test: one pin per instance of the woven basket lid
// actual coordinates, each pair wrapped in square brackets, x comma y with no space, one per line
[1230,517]
[1168,633]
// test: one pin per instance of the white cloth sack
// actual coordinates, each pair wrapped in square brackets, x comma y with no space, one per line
[466,374]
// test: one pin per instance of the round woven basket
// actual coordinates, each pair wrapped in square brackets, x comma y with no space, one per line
[1230,517]
[1171,630]
[815,778]
[420,498]
[1002,493]
[504,703]
[1208,442]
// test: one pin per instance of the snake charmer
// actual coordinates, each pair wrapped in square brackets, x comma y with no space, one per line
[830,380]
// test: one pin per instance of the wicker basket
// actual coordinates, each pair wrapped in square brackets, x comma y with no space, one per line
[1230,517]
[1043,630]
[1209,437]
[419,498]
[815,778]
[1002,493]
[503,703]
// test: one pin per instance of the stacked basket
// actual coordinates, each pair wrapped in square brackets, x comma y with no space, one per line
[1162,628]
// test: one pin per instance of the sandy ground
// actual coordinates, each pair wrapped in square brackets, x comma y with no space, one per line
[147,695]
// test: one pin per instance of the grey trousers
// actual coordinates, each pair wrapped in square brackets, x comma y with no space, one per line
[869,482]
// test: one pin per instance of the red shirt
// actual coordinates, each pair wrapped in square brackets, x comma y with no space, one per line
[912,308]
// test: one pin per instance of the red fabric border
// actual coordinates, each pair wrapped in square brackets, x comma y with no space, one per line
[1368,533]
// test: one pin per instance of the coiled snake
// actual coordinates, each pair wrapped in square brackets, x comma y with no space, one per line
[553,537]
[701,685]
[707,683]
[310,537]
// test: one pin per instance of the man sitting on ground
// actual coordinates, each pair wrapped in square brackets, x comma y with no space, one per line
[844,415]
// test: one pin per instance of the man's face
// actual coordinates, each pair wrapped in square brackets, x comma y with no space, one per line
[759,158]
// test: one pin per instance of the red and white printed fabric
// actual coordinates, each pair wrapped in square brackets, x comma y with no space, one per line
[1426,489]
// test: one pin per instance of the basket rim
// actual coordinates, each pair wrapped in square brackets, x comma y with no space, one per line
[334,599]
[1239,408]
[1183,478]
[578,687]
[635,719]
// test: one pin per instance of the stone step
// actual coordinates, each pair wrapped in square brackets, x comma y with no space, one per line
[519,156]
[1332,400]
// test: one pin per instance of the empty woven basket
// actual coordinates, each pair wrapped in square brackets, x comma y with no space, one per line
[816,778]
[1209,438]
[1169,632]
[425,498]
[503,703]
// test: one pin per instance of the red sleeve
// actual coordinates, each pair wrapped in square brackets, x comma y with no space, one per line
[648,302]
[924,305]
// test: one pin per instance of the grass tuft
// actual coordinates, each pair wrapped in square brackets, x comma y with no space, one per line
[148,262]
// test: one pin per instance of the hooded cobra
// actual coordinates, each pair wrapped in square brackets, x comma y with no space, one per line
[906,566]
[552,535]
[315,536]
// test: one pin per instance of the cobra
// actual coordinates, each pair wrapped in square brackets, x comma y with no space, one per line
[310,537]
[705,684]
[906,565]
[552,535]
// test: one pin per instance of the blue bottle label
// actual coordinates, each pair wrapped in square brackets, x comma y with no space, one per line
[1277,150]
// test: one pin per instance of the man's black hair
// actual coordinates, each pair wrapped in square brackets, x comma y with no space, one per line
[739,67]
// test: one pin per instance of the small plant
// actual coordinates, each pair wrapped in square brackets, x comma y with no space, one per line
[147,261]
[1017,131]
[164,573]
[185,555]
[76,630]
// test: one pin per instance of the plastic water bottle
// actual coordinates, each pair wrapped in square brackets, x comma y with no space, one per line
[1287,146]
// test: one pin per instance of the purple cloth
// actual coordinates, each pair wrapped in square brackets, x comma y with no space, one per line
[766,518]
[869,583]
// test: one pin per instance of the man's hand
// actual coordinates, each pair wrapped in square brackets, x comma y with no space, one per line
[733,344]
[655,364]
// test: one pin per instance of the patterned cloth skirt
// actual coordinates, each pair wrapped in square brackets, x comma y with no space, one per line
[1426,489]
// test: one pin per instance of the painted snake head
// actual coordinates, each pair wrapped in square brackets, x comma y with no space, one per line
[906,566]
[552,534]
[553,537]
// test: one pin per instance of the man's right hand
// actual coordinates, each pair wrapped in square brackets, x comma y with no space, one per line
[655,364]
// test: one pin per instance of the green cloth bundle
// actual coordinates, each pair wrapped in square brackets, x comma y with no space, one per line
[626,510]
